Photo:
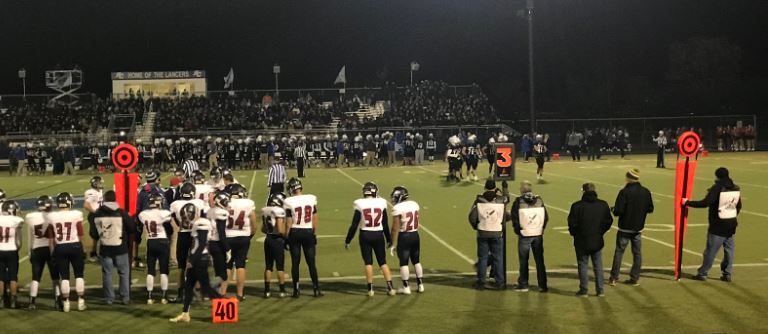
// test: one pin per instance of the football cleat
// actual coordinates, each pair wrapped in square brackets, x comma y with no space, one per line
[317,292]
[12,304]
[370,293]
[150,301]
[267,294]
[81,304]
[391,292]
[421,288]
[404,291]
[296,293]
[32,306]
[282,294]
[163,301]
[65,306]
[183,317]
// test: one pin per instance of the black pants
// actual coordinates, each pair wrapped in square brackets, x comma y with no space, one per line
[408,248]
[198,273]
[69,254]
[274,252]
[372,242]
[300,166]
[277,188]
[660,157]
[183,244]
[219,256]
[158,252]
[303,238]
[9,266]
[39,258]
[575,153]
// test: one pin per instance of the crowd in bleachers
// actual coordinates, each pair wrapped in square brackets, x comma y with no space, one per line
[47,117]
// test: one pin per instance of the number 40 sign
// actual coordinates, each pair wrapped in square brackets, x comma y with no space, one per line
[504,162]
[224,310]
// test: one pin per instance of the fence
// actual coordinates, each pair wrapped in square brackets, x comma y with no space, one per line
[641,130]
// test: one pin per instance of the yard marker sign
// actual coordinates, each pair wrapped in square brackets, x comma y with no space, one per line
[688,146]
[124,158]
[504,162]
[224,310]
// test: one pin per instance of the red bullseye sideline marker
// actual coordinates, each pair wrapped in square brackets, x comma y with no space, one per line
[689,143]
[125,157]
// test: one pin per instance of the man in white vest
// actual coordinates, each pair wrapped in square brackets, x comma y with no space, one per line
[529,218]
[487,216]
[115,230]
[724,202]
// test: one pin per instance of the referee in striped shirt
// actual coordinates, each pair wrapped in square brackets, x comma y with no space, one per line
[300,153]
[276,179]
[190,166]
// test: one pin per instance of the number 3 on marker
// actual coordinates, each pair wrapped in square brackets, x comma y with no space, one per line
[506,156]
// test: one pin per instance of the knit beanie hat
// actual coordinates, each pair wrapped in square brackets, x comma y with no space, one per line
[490,185]
[633,175]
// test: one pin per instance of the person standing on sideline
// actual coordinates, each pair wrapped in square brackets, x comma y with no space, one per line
[529,218]
[539,153]
[574,144]
[276,179]
[21,158]
[300,153]
[69,160]
[302,222]
[487,216]
[189,166]
[10,244]
[724,202]
[632,205]
[114,229]
[588,220]
[91,201]
[661,145]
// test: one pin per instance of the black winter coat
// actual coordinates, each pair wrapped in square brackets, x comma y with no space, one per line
[588,220]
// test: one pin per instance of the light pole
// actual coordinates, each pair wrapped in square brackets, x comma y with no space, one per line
[529,9]
[276,71]
[414,67]
[23,77]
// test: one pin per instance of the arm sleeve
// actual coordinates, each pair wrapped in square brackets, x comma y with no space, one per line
[573,221]
[607,219]
[618,207]
[93,232]
[353,227]
[515,216]
[168,229]
[712,195]
[202,239]
[546,217]
[385,225]
[650,203]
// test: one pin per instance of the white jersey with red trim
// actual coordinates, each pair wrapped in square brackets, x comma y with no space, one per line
[65,226]
[38,226]
[240,224]
[9,225]
[216,215]
[153,221]
[203,192]
[301,209]
[409,215]
[372,211]
[269,215]
[95,197]
[176,208]
[201,224]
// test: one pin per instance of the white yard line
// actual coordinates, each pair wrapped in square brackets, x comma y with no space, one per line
[454,275]
[250,186]
[424,228]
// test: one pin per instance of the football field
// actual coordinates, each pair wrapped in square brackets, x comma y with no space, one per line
[449,304]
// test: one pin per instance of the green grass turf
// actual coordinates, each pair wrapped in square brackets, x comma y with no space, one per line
[448,247]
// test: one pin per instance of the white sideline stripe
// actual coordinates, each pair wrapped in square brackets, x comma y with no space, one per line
[619,187]
[250,186]
[612,226]
[432,234]
[455,275]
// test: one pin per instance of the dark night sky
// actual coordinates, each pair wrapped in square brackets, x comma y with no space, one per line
[460,41]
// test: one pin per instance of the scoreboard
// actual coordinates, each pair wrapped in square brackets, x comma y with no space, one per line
[504,162]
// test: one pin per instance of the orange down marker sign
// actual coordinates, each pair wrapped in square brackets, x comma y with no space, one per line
[504,161]
[225,310]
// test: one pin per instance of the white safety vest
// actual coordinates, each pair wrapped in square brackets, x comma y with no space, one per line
[726,209]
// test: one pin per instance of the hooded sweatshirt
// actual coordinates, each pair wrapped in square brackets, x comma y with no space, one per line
[588,220]
[113,226]
[715,194]
[529,215]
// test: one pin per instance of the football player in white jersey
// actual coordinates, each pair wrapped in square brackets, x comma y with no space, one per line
[405,237]
[273,225]
[40,249]
[92,200]
[473,154]
[10,243]
[217,240]
[242,215]
[216,181]
[371,210]
[203,191]
[66,226]
[199,258]
[157,225]
[184,238]
[301,213]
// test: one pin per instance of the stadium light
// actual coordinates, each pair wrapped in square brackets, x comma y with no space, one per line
[276,71]
[529,11]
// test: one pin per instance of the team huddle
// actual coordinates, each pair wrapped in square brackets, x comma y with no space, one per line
[200,223]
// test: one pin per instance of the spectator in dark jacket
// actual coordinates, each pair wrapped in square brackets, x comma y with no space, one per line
[724,202]
[114,229]
[588,220]
[529,218]
[633,203]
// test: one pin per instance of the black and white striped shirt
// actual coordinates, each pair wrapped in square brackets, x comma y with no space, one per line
[300,151]
[189,167]
[276,174]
